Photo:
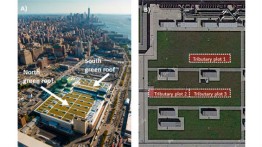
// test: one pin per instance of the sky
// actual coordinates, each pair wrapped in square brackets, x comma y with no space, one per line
[74,6]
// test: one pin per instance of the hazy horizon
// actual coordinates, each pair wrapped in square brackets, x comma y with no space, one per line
[75,6]
[69,14]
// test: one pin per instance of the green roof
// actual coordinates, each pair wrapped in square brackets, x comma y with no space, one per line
[79,105]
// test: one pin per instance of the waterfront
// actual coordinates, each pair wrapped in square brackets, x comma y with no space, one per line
[117,23]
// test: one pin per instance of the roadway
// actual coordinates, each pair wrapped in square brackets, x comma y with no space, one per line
[112,126]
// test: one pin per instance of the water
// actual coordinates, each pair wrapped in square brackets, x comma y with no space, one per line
[117,23]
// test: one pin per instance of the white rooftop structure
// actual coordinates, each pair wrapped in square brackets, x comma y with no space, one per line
[228,25]
[127,101]
[168,24]
[188,24]
[128,123]
[30,141]
[210,24]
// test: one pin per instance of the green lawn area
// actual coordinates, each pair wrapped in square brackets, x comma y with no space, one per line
[228,127]
[173,48]
[190,80]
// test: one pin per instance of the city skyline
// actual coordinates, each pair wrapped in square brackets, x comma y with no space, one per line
[74,6]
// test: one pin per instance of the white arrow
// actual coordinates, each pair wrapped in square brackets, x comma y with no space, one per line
[97,83]
[64,102]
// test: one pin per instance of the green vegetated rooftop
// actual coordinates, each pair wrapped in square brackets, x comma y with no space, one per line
[173,48]
[79,105]
[191,80]
[88,84]
[228,127]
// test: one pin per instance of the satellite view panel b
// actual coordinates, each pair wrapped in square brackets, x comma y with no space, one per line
[192,73]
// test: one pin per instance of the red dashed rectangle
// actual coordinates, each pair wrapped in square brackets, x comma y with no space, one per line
[209,58]
[172,93]
[211,93]
[190,93]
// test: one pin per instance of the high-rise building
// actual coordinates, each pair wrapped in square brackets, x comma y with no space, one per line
[36,52]
[43,62]
[59,50]
[25,57]
[88,15]
[22,120]
[79,49]
[85,16]
[105,37]
[89,44]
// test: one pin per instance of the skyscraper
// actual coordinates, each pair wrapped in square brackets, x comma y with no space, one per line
[26,57]
[89,45]
[88,15]
[79,48]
